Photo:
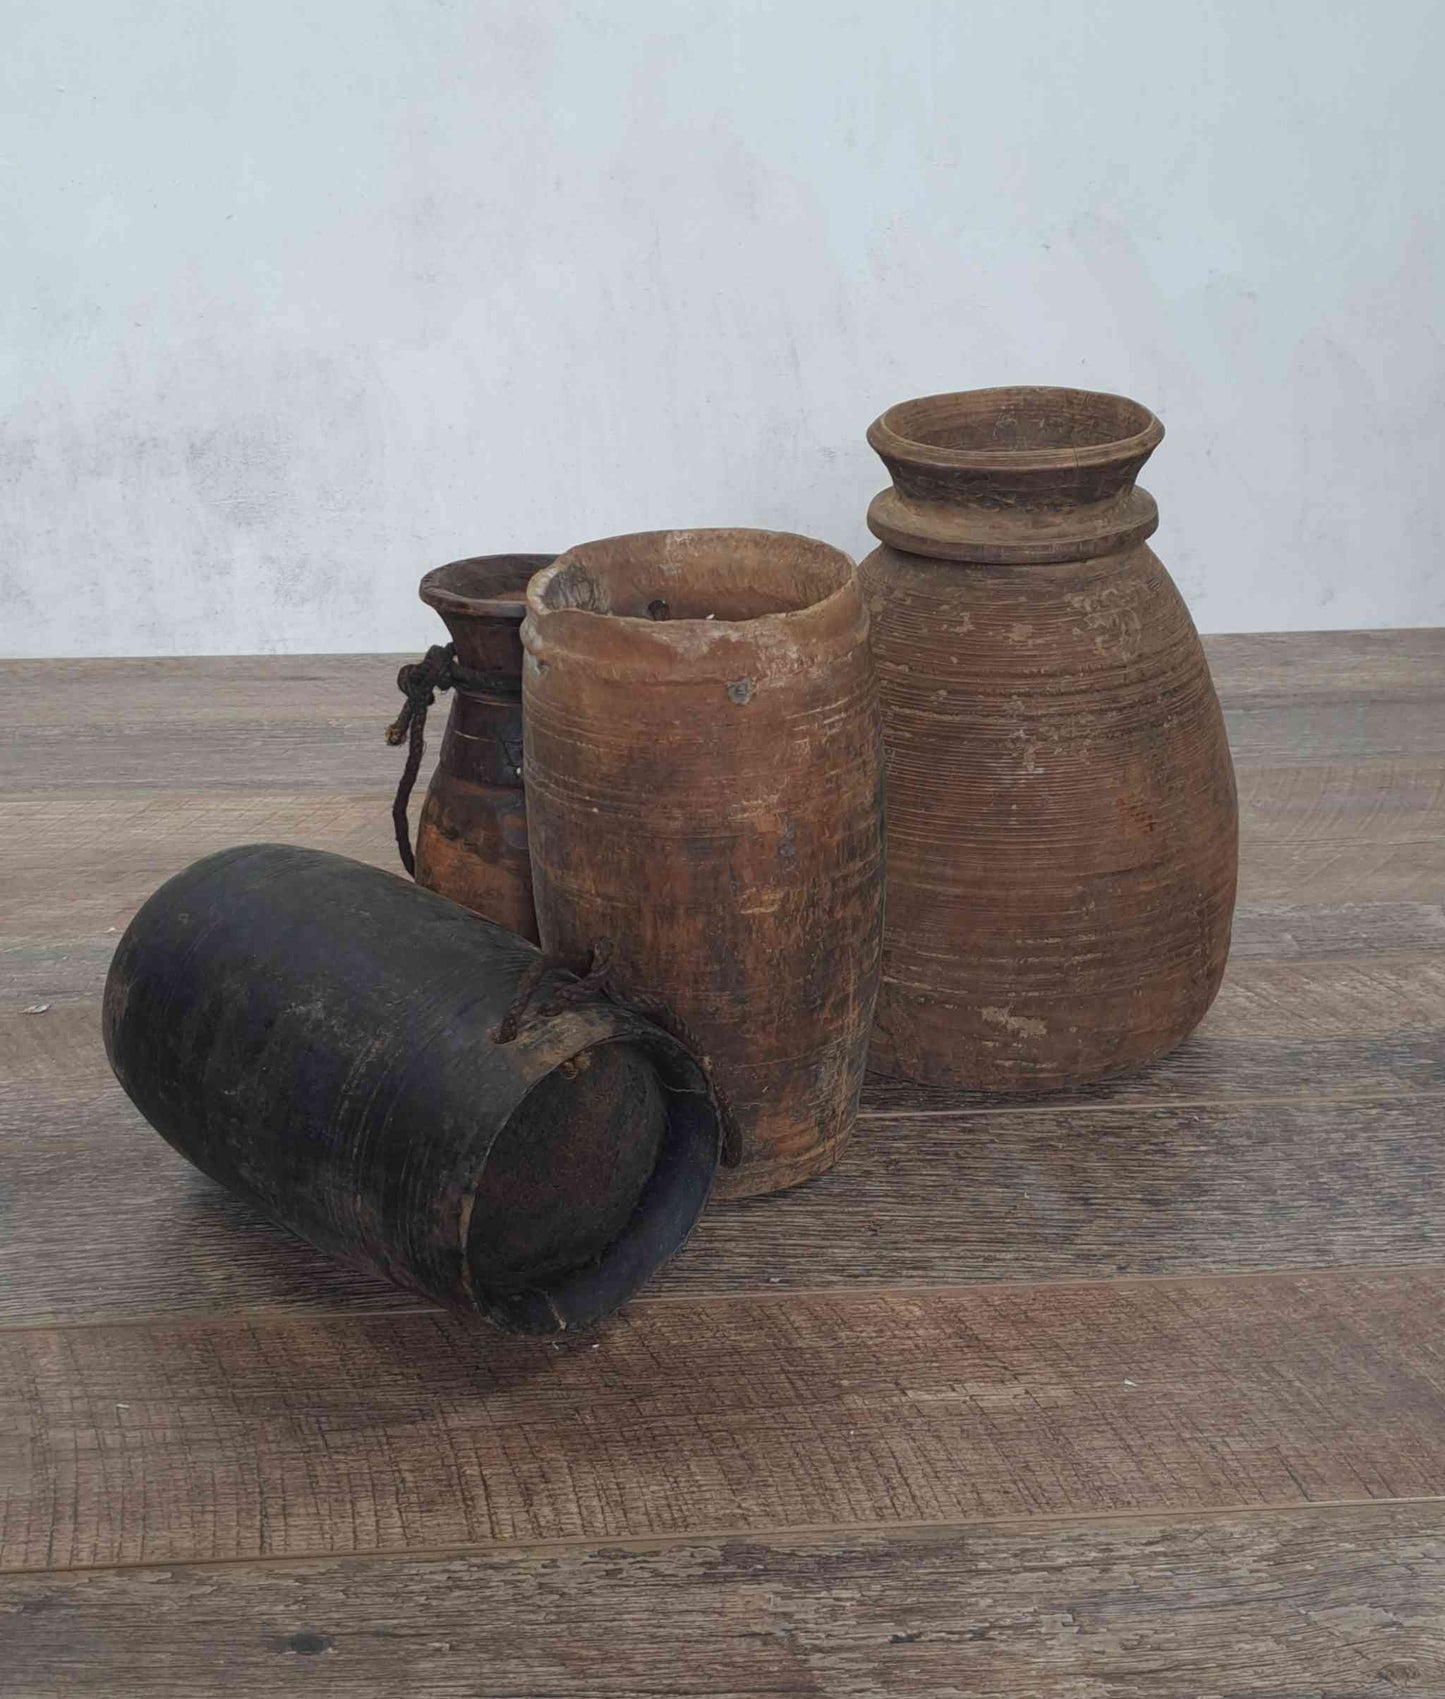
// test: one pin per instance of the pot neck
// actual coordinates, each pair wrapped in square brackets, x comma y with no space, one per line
[482,602]
[1016,475]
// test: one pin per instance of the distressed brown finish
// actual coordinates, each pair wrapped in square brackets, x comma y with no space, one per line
[264,1437]
[1353,834]
[1061,802]
[704,786]
[1298,1127]
[1347,1602]
[471,840]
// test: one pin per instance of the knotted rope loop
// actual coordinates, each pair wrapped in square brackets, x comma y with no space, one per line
[419,681]
[527,1005]
[596,981]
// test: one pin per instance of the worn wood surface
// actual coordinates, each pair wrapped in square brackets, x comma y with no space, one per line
[1134,1392]
[1063,827]
[249,1436]
[1339,1601]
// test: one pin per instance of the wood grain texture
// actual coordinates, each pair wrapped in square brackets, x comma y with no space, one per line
[1346,801]
[103,1220]
[1344,1603]
[767,1384]
[1296,666]
[68,961]
[1062,815]
[1312,664]
[244,1438]
[314,748]
[1302,994]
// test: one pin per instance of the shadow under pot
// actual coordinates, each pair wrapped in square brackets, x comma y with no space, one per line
[1061,803]
[704,790]
[471,839]
[399,1082]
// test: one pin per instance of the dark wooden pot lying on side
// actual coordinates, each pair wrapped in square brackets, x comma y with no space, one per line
[322,1037]
[704,790]
[471,840]
[1062,821]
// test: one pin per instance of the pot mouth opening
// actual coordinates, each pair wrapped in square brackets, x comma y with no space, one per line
[1017,428]
[604,1205]
[713,577]
[484,586]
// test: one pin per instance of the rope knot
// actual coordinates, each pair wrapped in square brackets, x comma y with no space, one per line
[418,681]
[527,1005]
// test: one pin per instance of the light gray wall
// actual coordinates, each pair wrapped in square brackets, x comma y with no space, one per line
[303,297]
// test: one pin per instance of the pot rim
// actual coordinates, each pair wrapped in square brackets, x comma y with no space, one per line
[664,1213]
[446,598]
[889,434]
[755,624]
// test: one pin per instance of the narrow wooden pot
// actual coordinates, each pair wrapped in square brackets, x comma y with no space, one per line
[1062,819]
[704,784]
[471,840]
[331,1043]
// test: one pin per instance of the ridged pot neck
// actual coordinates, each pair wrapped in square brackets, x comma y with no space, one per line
[663,605]
[1014,475]
[483,601]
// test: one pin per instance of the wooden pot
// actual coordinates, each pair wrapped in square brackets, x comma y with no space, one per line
[471,840]
[1062,818]
[703,771]
[330,1042]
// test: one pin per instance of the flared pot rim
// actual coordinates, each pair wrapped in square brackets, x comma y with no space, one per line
[483,586]
[1116,430]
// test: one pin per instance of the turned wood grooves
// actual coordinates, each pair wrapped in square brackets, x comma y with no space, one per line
[1134,1392]
[705,791]
[1062,819]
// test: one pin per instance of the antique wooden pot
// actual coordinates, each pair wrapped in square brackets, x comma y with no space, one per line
[351,1054]
[703,771]
[1062,820]
[471,840]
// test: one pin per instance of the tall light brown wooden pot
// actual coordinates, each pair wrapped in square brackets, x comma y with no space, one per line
[704,790]
[1062,819]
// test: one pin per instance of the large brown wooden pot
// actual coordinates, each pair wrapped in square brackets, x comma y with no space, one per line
[471,840]
[704,789]
[1062,820]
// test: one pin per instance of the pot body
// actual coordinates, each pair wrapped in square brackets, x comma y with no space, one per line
[705,791]
[471,840]
[1062,816]
[321,1037]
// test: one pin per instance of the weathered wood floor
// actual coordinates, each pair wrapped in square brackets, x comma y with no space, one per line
[1139,1393]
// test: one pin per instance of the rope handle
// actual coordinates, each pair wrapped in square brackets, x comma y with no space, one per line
[596,980]
[419,681]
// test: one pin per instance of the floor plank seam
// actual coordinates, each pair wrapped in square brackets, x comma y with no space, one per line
[1160,1105]
[177,1321]
[799,1533]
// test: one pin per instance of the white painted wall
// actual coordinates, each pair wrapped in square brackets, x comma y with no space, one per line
[302,297]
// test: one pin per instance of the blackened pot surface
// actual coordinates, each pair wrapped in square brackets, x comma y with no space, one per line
[318,1035]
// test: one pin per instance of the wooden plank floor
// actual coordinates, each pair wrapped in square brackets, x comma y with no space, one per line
[1138,1392]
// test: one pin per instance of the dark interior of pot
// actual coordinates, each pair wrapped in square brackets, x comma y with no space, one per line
[1020,419]
[731,576]
[482,579]
[591,1186]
